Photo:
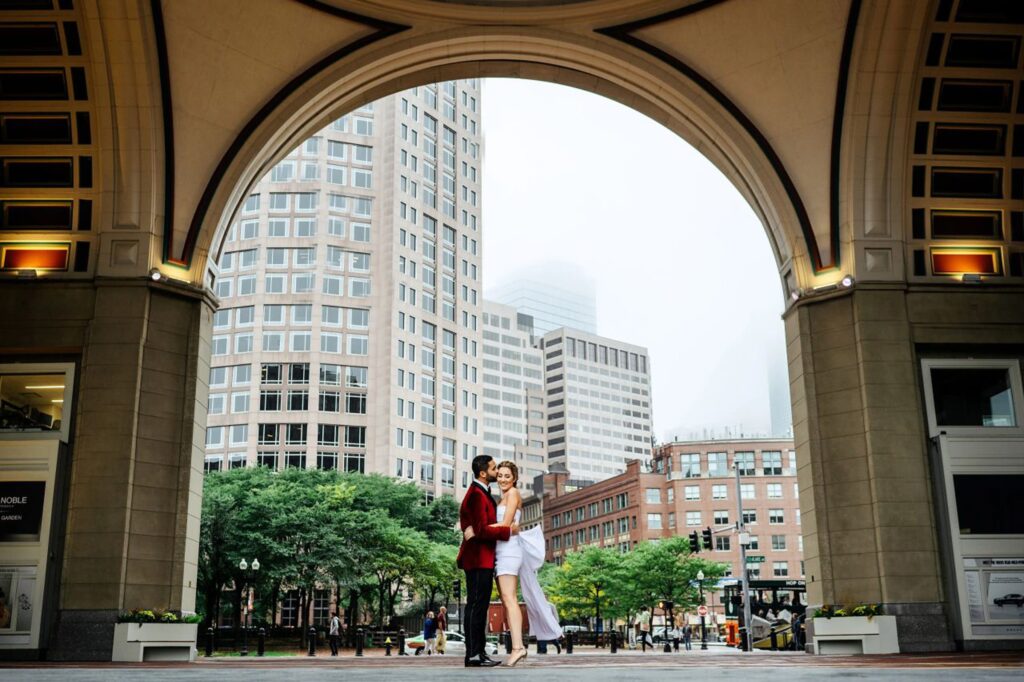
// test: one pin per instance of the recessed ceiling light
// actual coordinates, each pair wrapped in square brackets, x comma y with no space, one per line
[56,401]
[46,387]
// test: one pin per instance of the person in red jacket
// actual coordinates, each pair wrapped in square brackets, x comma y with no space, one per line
[476,556]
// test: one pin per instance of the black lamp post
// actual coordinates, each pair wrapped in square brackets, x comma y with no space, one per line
[248,576]
[666,607]
[703,631]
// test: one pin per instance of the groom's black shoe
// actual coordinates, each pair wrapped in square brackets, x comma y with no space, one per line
[480,662]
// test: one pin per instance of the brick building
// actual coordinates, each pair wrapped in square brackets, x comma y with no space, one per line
[689,486]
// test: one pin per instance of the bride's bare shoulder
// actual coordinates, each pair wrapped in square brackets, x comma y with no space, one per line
[514,495]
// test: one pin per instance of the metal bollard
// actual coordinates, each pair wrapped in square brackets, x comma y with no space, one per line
[615,641]
[775,641]
[508,642]
[401,642]
[568,642]
[675,644]
[210,634]
[359,642]
[387,646]
[312,641]
[261,642]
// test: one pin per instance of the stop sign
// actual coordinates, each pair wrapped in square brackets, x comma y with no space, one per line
[702,610]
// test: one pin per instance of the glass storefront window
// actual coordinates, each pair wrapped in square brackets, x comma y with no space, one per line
[32,400]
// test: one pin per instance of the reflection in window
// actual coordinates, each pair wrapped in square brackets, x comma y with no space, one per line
[972,397]
[31,402]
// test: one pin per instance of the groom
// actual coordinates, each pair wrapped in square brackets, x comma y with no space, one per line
[476,556]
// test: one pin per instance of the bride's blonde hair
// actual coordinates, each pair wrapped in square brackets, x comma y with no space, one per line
[511,466]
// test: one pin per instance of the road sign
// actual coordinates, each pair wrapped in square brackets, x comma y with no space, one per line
[702,610]
[755,559]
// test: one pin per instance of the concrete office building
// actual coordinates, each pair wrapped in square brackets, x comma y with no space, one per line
[514,407]
[554,294]
[349,327]
[598,402]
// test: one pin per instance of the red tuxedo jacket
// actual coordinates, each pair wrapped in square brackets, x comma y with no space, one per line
[479,510]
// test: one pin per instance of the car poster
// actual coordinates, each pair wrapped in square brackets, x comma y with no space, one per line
[995,594]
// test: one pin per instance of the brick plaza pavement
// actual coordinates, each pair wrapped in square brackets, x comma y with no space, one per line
[717,663]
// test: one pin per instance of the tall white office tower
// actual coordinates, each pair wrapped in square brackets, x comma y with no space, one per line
[554,294]
[349,330]
[598,403]
[514,405]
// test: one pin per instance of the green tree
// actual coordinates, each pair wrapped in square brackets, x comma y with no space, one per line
[588,583]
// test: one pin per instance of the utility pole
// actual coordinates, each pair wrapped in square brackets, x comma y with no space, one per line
[743,539]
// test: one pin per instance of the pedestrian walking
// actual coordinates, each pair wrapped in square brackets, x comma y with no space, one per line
[430,633]
[335,633]
[687,636]
[442,629]
[645,628]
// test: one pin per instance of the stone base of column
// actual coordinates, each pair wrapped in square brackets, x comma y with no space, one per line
[83,635]
[922,627]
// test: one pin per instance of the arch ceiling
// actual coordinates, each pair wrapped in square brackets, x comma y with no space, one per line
[216,91]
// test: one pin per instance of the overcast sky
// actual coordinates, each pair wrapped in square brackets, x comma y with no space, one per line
[682,264]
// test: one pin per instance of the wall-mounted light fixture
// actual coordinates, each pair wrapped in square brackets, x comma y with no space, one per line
[847,281]
[155,275]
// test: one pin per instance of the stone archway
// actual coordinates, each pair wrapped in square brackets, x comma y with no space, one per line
[661,94]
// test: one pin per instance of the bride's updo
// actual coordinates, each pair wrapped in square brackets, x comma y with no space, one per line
[511,466]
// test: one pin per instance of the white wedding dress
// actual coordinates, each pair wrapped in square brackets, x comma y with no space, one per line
[523,555]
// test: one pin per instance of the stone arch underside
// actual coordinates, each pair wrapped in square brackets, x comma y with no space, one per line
[603,69]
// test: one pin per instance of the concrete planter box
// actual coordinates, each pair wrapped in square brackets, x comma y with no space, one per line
[853,635]
[139,642]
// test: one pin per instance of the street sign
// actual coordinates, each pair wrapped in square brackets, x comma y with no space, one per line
[702,610]
[755,559]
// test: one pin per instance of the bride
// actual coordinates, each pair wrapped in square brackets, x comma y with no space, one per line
[520,558]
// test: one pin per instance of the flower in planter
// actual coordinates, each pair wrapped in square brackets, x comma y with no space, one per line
[864,610]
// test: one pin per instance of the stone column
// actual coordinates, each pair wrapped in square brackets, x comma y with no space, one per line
[137,462]
[868,519]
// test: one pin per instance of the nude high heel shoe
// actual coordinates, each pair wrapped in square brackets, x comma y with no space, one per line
[517,657]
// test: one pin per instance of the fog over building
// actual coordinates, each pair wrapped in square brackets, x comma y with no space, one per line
[554,294]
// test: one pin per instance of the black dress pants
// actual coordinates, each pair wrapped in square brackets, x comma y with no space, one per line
[479,582]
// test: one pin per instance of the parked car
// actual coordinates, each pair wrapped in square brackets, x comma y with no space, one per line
[456,644]
[1008,599]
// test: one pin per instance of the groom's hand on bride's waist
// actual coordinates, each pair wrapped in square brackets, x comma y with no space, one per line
[514,529]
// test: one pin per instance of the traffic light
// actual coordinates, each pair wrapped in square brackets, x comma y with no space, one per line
[694,543]
[457,589]
[707,538]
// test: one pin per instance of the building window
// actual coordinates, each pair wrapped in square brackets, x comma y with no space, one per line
[749,517]
[719,492]
[692,492]
[771,463]
[654,521]
[717,465]
[721,517]
[779,543]
[774,491]
[693,518]
[755,543]
[330,401]
[744,461]
[780,569]
[653,496]
[747,491]
[722,543]
[689,465]
[776,517]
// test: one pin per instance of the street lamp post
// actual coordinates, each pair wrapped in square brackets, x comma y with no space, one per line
[703,630]
[666,608]
[248,576]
